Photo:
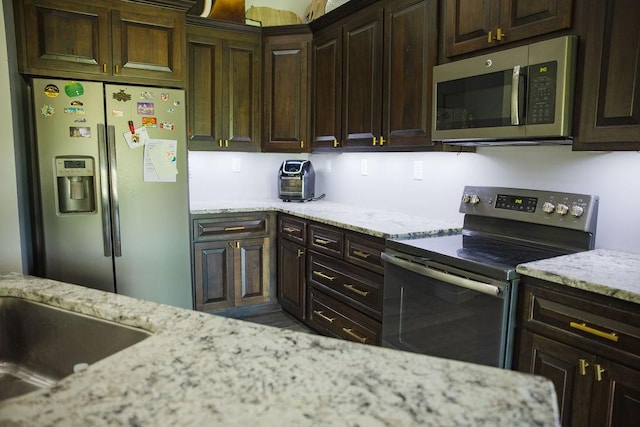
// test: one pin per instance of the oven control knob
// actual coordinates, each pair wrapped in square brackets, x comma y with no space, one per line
[475,199]
[576,211]
[548,207]
[562,209]
[466,198]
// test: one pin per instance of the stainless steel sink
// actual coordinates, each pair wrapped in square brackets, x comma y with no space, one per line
[41,344]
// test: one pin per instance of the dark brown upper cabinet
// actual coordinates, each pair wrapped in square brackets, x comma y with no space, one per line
[224,86]
[469,26]
[372,78]
[609,100]
[286,86]
[110,41]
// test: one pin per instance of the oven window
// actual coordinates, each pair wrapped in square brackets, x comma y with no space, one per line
[475,102]
[428,316]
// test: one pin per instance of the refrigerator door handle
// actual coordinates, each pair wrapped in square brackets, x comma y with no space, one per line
[104,189]
[113,184]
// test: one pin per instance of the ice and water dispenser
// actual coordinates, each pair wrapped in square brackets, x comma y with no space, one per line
[75,182]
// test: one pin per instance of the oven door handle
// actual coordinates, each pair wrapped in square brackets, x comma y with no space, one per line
[451,279]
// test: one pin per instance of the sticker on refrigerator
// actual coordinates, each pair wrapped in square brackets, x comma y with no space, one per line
[79,132]
[51,91]
[149,122]
[47,110]
[73,89]
[147,95]
[121,96]
[145,108]
[76,103]
[137,138]
[160,160]
[164,97]
[74,110]
[166,125]
[117,113]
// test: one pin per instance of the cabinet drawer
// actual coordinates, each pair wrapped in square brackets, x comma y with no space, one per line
[590,324]
[334,318]
[326,240]
[356,286]
[225,227]
[364,252]
[293,229]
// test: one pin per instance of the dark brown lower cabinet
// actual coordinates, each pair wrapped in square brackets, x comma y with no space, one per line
[291,273]
[588,346]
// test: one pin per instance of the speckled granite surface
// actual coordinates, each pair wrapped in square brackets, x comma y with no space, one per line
[374,222]
[198,369]
[605,272]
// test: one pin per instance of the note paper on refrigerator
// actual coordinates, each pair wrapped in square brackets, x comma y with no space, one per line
[160,160]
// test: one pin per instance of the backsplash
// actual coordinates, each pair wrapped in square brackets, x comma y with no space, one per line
[431,184]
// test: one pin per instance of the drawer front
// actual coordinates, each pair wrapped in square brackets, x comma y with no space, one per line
[293,229]
[364,252]
[225,227]
[596,326]
[326,240]
[334,318]
[361,288]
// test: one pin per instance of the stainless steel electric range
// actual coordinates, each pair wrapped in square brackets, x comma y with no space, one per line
[455,296]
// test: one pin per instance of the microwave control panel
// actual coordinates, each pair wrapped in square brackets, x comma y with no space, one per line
[543,79]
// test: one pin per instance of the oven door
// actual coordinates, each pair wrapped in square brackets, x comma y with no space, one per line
[444,312]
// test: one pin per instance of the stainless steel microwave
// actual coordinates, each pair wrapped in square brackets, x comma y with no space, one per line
[522,95]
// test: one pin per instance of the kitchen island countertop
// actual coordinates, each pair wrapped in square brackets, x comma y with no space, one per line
[202,369]
[374,222]
[602,271]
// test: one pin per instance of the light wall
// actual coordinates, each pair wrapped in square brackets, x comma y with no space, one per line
[390,183]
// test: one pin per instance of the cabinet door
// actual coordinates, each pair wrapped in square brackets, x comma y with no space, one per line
[521,19]
[214,265]
[467,24]
[291,278]
[562,365]
[362,90]
[609,101]
[251,271]
[61,36]
[241,95]
[286,94]
[148,44]
[410,48]
[616,397]
[326,122]
[205,90]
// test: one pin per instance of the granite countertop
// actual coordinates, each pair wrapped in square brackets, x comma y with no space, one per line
[202,369]
[602,271]
[374,222]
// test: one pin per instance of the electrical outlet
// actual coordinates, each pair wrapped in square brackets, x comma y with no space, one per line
[363,167]
[235,164]
[418,170]
[328,165]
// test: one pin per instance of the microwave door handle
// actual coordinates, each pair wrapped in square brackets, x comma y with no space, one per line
[515,96]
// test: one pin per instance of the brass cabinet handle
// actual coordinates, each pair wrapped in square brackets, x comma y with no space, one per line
[382,140]
[489,37]
[238,228]
[583,367]
[324,276]
[375,140]
[321,314]
[500,35]
[226,142]
[104,68]
[235,244]
[584,328]
[356,290]
[599,371]
[117,69]
[291,230]
[220,143]
[301,144]
[352,334]
[300,253]
[321,241]
[361,254]
[335,143]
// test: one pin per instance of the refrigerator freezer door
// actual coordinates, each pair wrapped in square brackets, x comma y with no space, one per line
[155,261]
[67,115]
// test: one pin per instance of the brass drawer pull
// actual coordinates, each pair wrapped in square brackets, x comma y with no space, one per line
[321,314]
[324,276]
[352,334]
[583,327]
[361,254]
[238,228]
[599,371]
[291,230]
[300,253]
[356,290]
[321,241]
[583,367]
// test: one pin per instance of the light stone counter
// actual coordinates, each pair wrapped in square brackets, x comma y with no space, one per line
[606,272]
[200,369]
[375,222]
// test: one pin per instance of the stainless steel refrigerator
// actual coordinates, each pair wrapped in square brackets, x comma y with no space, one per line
[112,168]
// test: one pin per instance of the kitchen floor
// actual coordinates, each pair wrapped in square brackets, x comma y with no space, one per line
[279,319]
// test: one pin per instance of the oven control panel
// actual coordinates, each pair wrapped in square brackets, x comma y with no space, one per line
[567,210]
